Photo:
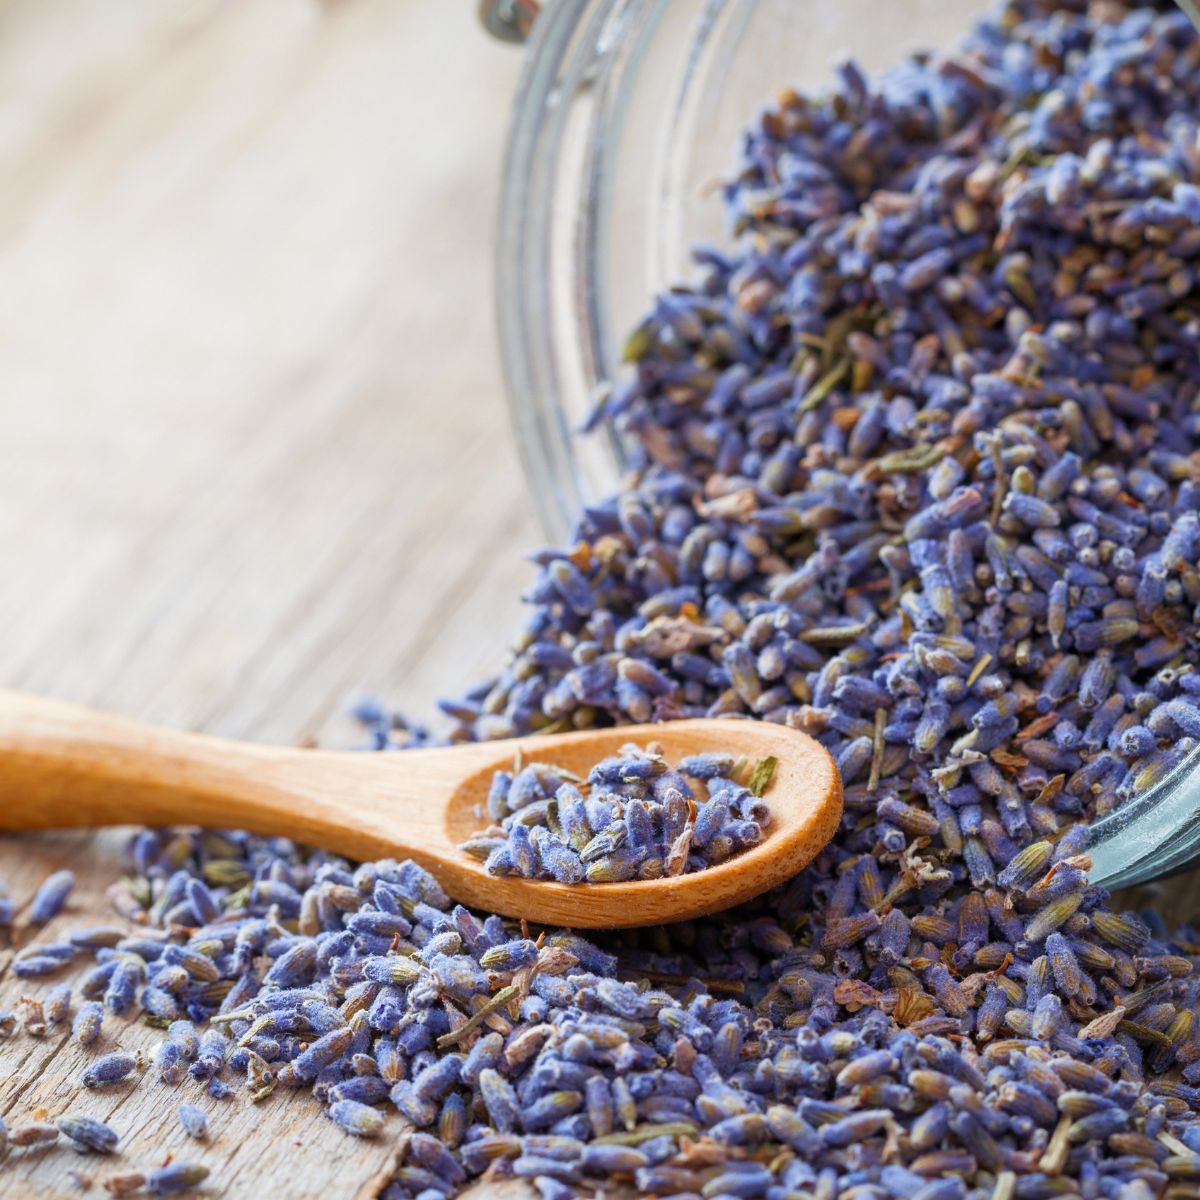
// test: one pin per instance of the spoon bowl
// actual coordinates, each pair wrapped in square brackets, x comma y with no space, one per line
[64,766]
[804,796]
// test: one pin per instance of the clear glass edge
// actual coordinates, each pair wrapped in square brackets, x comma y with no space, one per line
[520,287]
[1152,834]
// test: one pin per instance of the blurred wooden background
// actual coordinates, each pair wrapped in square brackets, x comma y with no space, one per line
[253,447]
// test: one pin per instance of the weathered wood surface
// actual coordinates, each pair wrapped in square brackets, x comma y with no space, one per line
[253,451]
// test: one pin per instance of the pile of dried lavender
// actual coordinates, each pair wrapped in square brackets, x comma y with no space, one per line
[921,477]
[639,819]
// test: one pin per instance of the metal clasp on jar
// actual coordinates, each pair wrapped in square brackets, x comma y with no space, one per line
[509,20]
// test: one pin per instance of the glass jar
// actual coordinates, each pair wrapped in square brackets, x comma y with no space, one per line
[628,116]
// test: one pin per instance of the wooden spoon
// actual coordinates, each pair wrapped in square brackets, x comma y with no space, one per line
[62,765]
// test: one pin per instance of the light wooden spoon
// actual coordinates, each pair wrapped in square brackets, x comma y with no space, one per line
[62,765]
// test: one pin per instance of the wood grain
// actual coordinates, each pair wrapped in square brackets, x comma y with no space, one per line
[253,448]
[63,765]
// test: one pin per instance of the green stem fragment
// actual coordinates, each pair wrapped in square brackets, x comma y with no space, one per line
[639,343]
[499,1000]
[643,1133]
[1173,1144]
[1144,1033]
[240,1014]
[835,635]
[997,457]
[1054,1157]
[909,462]
[1005,1186]
[877,748]
[978,669]
[825,385]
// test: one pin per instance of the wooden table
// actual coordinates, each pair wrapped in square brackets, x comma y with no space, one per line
[253,449]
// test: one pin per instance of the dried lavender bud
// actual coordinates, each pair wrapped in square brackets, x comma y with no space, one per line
[358,1119]
[96,937]
[169,1063]
[1122,930]
[58,1003]
[510,956]
[85,1028]
[51,896]
[194,1122]
[34,965]
[121,991]
[109,1068]
[183,1034]
[500,1099]
[176,1177]
[86,1134]
[1027,867]
[390,969]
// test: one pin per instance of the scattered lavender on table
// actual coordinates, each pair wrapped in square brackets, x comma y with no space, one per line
[918,475]
[634,817]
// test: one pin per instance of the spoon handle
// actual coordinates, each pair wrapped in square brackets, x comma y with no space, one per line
[64,765]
